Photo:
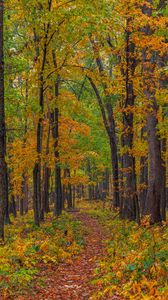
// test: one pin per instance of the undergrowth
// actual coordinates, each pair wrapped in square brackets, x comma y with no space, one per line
[27,246]
[136,264]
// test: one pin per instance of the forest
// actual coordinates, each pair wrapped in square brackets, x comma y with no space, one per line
[83,149]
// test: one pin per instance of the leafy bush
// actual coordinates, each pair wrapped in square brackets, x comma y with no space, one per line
[136,264]
[27,247]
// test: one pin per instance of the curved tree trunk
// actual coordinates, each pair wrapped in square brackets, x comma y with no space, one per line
[109,124]
[114,155]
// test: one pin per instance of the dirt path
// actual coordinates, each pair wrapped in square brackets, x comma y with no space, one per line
[72,281]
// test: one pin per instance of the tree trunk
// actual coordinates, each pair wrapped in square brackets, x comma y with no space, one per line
[143,177]
[55,133]
[163,187]
[130,200]
[26,196]
[25,179]
[155,161]
[46,181]
[58,191]
[46,187]
[23,202]
[155,170]
[143,183]
[114,155]
[37,168]
[121,177]
[13,206]
[7,217]
[109,124]
[3,164]
[21,206]
[63,196]
[3,167]
[90,179]
[74,196]
[37,192]
[69,198]
[97,194]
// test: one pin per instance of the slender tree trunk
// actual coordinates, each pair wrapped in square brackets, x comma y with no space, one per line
[26,195]
[46,187]
[3,166]
[46,181]
[73,196]
[37,192]
[107,180]
[83,191]
[23,202]
[58,190]
[64,192]
[25,178]
[37,168]
[105,183]
[24,198]
[163,187]
[13,206]
[7,217]
[63,196]
[114,155]
[2,122]
[55,133]
[21,206]
[68,175]
[90,179]
[97,191]
[121,177]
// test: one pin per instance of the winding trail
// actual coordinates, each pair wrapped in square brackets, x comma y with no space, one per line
[71,281]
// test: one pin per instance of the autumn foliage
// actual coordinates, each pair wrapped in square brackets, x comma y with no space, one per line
[83,148]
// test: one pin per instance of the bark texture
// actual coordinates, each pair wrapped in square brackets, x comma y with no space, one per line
[130,198]
[155,161]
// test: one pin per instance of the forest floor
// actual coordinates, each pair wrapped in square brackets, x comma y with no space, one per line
[72,280]
[88,254]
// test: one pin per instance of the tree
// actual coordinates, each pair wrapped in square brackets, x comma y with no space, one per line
[155,168]
[55,131]
[3,165]
[94,103]
[130,204]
